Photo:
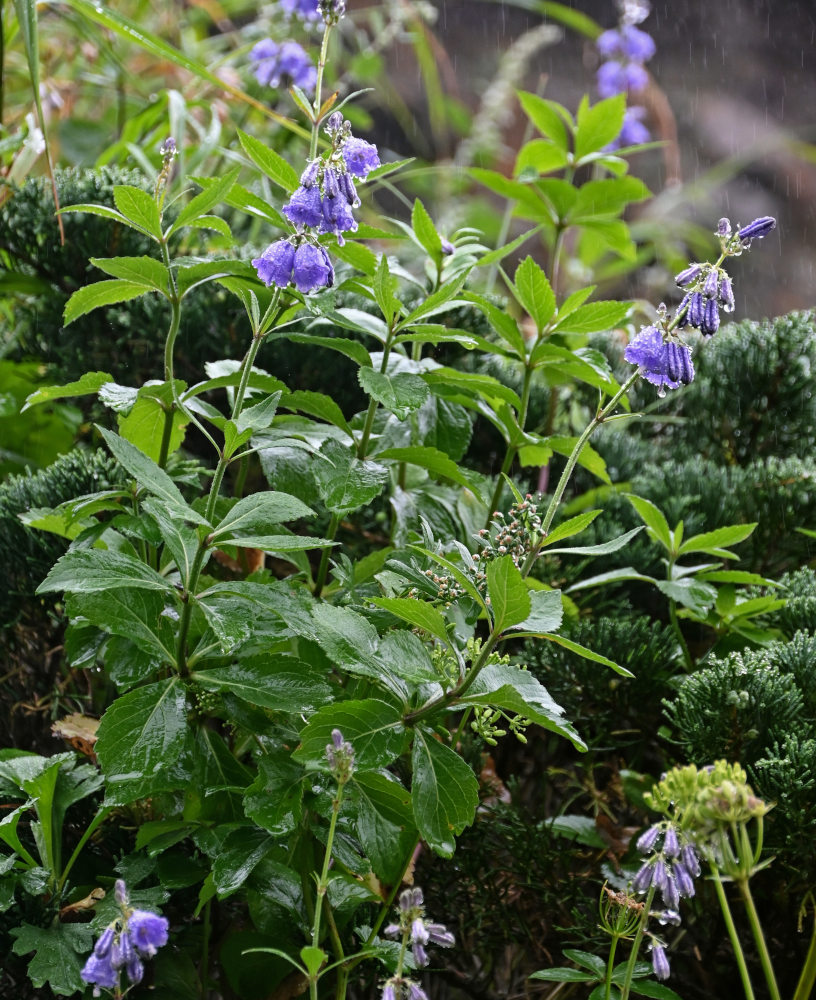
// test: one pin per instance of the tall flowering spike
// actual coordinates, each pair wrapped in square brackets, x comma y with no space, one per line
[757,229]
[660,962]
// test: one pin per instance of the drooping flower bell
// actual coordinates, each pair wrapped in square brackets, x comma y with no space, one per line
[307,266]
[664,363]
[283,64]
[132,937]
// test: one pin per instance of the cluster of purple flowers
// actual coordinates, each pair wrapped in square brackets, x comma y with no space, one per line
[414,928]
[625,50]
[323,203]
[670,870]
[661,358]
[136,935]
[284,63]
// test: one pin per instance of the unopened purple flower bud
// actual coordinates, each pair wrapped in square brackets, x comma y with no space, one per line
[309,176]
[168,148]
[447,247]
[660,963]
[419,934]
[711,318]
[330,188]
[724,228]
[643,878]
[690,274]
[439,934]
[337,738]
[392,930]
[417,897]
[659,877]
[682,876]
[103,945]
[389,991]
[726,294]
[682,312]
[120,892]
[758,228]
[671,846]
[335,123]
[647,840]
[134,968]
[711,285]
[348,190]
[406,900]
[696,310]
[671,895]
[688,856]
[415,991]
[420,955]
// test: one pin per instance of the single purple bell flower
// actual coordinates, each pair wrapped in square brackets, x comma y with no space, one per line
[646,841]
[309,176]
[148,932]
[712,284]
[419,935]
[671,845]
[659,876]
[337,217]
[669,917]
[690,861]
[649,352]
[103,945]
[660,963]
[420,955]
[711,318]
[757,229]
[671,895]
[312,268]
[304,208]
[696,309]
[415,991]
[723,228]
[360,157]
[274,266]
[122,950]
[726,294]
[100,973]
[643,878]
[633,132]
[682,876]
[609,43]
[389,991]
[135,969]
[392,930]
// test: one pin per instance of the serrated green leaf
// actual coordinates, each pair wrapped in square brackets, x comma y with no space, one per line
[539,156]
[316,404]
[588,654]
[258,512]
[385,822]
[502,323]
[86,571]
[546,612]
[534,292]
[401,393]
[425,232]
[542,113]
[344,482]
[145,471]
[140,738]
[374,728]
[647,988]
[563,976]
[420,614]
[274,800]
[587,961]
[509,597]
[602,549]
[444,793]
[102,293]
[606,197]
[717,539]
[573,526]
[240,854]
[598,125]
[139,208]
[90,383]
[139,270]
[144,426]
[277,681]
[593,317]
[581,829]
[350,348]
[385,288]
[271,163]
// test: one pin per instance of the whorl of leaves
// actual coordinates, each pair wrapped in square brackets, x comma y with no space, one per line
[734,709]
[27,554]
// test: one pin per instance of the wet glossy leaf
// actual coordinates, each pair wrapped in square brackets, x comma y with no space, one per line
[86,571]
[374,728]
[277,681]
[444,793]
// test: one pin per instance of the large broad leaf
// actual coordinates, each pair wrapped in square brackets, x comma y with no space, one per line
[509,597]
[258,512]
[401,394]
[180,539]
[374,728]
[274,800]
[86,571]
[407,657]
[275,167]
[346,483]
[444,793]
[385,823]
[598,125]
[138,615]
[275,681]
[351,643]
[140,270]
[140,741]
[59,954]
[240,854]
[515,690]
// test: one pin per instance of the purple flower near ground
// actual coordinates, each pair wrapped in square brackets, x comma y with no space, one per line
[360,157]
[283,63]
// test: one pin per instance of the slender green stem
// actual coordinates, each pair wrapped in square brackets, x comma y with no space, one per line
[610,964]
[362,447]
[807,979]
[94,825]
[732,934]
[759,938]
[323,881]
[167,431]
[321,66]
[323,569]
[205,952]
[512,450]
[630,965]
